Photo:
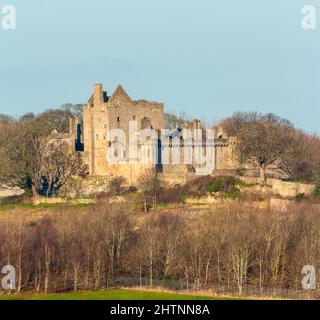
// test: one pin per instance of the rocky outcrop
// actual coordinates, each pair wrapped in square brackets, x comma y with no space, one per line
[7,192]
[285,189]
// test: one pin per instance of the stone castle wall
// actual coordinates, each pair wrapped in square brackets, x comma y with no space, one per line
[104,113]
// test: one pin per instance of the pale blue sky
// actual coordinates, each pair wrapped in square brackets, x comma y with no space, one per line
[206,57]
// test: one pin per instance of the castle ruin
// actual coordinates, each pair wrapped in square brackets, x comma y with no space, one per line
[103,113]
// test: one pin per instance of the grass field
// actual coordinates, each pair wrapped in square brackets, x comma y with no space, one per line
[13,206]
[115,294]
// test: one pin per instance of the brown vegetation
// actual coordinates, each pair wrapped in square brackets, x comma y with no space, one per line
[269,138]
[26,158]
[103,246]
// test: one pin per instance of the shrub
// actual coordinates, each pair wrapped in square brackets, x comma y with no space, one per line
[116,185]
[132,189]
[300,197]
[172,195]
[317,189]
[235,193]
[214,187]
[200,187]
[222,184]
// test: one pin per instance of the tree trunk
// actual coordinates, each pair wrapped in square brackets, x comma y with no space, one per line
[145,205]
[262,175]
[47,270]
[260,274]
[218,262]
[34,192]
[140,273]
[207,273]
[20,271]
[75,279]
[151,267]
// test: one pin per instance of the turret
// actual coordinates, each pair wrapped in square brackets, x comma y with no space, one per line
[196,124]
[72,125]
[98,94]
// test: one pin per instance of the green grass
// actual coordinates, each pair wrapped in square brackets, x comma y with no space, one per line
[298,181]
[11,206]
[163,205]
[232,194]
[87,196]
[243,184]
[114,294]
[199,204]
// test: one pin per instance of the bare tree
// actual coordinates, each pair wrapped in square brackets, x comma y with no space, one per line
[116,232]
[232,125]
[170,237]
[150,185]
[240,251]
[265,141]
[172,121]
[116,185]
[59,165]
[304,160]
[23,147]
[149,246]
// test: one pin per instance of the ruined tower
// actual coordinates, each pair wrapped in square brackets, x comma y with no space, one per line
[104,113]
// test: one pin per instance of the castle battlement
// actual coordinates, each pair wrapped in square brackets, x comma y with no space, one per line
[104,114]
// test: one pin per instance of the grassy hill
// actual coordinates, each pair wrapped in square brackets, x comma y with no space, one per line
[115,294]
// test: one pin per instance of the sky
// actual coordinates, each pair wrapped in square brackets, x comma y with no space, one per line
[208,58]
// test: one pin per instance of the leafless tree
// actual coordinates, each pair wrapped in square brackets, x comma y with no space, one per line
[265,141]
[116,185]
[150,185]
[59,165]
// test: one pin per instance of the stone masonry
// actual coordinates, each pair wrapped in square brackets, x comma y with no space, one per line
[104,113]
